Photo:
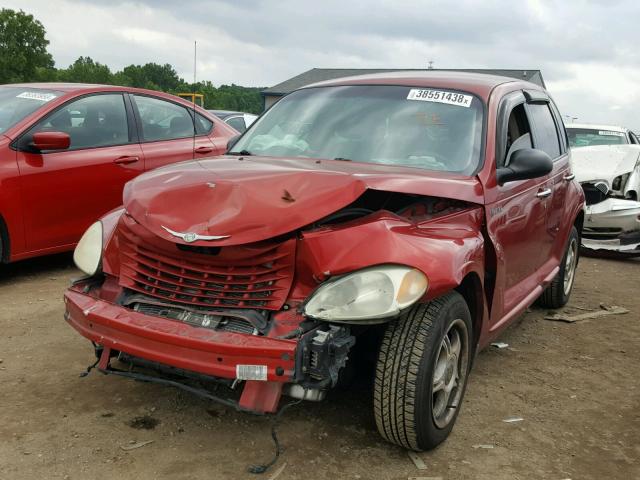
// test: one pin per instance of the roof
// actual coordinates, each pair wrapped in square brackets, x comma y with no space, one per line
[69,89]
[476,83]
[593,126]
[316,75]
[62,87]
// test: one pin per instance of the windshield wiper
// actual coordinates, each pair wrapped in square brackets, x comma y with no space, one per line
[245,153]
[343,159]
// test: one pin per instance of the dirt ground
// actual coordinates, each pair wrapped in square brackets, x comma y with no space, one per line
[576,386]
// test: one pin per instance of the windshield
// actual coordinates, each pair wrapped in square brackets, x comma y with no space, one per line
[18,102]
[391,125]
[587,137]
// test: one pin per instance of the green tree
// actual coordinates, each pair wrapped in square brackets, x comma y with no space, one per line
[86,70]
[23,47]
[150,75]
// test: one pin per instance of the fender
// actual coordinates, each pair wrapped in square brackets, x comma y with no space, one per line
[455,240]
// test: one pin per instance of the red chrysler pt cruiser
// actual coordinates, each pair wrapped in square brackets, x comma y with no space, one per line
[405,218]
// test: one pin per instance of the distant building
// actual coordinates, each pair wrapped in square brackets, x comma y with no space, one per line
[273,94]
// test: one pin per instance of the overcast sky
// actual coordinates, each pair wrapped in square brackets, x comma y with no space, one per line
[588,51]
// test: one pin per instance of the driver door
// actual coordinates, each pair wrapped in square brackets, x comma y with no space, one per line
[517,219]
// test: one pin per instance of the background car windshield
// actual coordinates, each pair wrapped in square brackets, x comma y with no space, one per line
[587,137]
[18,102]
[374,124]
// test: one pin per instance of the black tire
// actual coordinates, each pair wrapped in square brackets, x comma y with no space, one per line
[557,293]
[404,381]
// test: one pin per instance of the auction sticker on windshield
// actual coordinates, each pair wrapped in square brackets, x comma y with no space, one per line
[43,97]
[609,132]
[439,96]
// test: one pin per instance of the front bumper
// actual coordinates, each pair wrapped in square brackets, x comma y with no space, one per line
[179,345]
[612,225]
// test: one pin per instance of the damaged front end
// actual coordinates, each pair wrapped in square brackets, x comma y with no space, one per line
[610,178]
[612,222]
[241,317]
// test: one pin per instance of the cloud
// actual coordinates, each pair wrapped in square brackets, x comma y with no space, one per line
[587,50]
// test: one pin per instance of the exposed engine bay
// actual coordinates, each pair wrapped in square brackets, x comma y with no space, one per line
[414,208]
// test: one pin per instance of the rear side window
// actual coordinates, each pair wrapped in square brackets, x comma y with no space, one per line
[93,121]
[545,134]
[237,123]
[162,120]
[203,125]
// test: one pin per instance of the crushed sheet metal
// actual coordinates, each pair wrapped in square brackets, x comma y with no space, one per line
[604,311]
[500,345]
[417,461]
[483,446]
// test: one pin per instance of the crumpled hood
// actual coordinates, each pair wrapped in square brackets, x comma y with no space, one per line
[253,199]
[603,162]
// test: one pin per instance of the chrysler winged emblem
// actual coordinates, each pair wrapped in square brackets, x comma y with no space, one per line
[190,237]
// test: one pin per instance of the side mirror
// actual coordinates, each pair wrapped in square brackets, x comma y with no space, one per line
[50,141]
[232,141]
[525,163]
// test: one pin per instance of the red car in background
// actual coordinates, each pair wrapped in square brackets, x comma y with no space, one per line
[66,151]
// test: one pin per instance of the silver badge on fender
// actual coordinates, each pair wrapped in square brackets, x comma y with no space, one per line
[190,237]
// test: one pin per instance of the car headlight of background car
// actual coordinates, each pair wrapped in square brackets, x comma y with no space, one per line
[88,252]
[619,182]
[371,295]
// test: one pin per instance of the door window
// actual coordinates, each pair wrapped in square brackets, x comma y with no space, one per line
[545,135]
[93,121]
[518,132]
[162,120]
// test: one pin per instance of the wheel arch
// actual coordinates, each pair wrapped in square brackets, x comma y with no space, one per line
[579,223]
[471,290]
[5,245]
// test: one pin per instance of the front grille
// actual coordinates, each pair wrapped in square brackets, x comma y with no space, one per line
[256,276]
[198,319]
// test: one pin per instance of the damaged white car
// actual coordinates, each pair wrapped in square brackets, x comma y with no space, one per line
[606,162]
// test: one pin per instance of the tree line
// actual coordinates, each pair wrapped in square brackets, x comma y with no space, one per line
[24,58]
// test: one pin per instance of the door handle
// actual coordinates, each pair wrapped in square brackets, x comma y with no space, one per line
[543,193]
[569,177]
[204,149]
[127,159]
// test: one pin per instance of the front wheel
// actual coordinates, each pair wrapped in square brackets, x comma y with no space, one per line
[421,373]
[557,294]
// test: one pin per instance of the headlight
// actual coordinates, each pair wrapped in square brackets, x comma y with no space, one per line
[620,182]
[88,253]
[367,296]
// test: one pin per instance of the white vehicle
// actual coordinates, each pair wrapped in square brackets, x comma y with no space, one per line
[238,120]
[606,162]
[588,135]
